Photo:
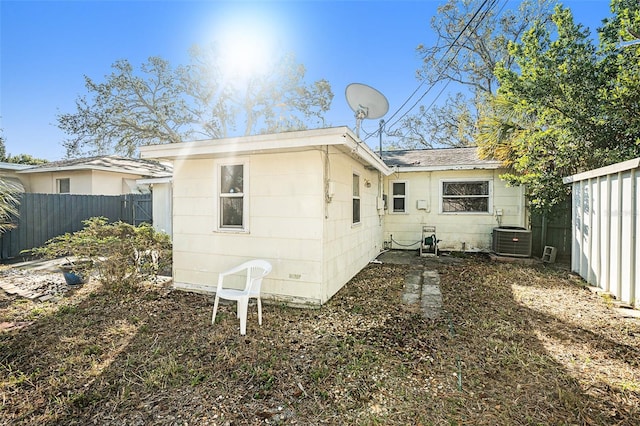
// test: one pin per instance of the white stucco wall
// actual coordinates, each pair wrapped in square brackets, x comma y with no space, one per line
[162,207]
[285,214]
[83,182]
[457,231]
[8,170]
[349,247]
[309,239]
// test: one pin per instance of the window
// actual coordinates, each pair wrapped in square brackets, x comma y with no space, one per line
[356,198]
[232,199]
[63,186]
[466,197]
[399,197]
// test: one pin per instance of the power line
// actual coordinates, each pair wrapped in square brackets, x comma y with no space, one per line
[447,84]
[438,63]
[451,46]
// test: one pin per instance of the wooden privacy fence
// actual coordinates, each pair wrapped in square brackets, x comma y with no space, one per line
[44,216]
[553,230]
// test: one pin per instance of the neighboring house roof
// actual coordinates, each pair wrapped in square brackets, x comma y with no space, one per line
[437,159]
[13,166]
[112,163]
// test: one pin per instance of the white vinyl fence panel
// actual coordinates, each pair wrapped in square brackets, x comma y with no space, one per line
[606,219]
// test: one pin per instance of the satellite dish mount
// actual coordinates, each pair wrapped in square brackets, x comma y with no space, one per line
[365,102]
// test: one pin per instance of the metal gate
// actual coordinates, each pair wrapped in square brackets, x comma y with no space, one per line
[137,208]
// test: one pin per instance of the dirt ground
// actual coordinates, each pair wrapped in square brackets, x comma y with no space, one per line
[516,344]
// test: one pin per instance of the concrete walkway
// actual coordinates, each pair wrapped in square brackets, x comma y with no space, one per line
[421,285]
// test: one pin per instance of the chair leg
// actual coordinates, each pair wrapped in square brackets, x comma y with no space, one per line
[259,310]
[215,309]
[243,307]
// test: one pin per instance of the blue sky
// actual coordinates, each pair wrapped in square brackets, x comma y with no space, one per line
[46,47]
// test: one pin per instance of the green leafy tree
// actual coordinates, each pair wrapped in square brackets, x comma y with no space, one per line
[3,149]
[162,104]
[25,159]
[472,37]
[563,109]
[620,95]
[17,159]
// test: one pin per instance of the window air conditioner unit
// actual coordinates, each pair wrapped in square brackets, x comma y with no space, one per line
[512,241]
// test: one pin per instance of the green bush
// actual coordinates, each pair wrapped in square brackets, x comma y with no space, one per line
[123,255]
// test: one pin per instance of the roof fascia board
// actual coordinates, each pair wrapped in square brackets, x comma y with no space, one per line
[151,181]
[287,141]
[407,169]
[13,166]
[241,145]
[80,167]
[363,151]
[602,171]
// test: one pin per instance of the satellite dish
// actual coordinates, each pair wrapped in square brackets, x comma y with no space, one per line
[366,102]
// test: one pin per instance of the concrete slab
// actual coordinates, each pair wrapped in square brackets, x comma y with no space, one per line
[430,290]
[628,313]
[11,289]
[399,257]
[45,265]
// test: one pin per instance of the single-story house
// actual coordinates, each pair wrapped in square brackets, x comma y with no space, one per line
[320,204]
[453,191]
[105,175]
[309,202]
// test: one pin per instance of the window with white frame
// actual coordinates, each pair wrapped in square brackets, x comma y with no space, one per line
[231,196]
[466,196]
[63,186]
[356,198]
[399,197]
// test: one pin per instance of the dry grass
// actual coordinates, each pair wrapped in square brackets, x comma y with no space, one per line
[516,345]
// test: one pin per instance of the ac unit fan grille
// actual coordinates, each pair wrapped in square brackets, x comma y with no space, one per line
[514,242]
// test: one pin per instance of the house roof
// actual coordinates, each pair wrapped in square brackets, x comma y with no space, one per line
[340,137]
[13,166]
[438,159]
[111,163]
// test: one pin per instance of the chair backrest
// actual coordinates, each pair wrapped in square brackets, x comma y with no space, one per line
[256,270]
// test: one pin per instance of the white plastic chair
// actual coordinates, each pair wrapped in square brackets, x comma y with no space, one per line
[255,271]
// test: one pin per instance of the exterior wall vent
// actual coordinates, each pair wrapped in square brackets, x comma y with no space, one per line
[512,241]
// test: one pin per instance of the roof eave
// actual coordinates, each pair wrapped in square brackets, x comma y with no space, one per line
[447,167]
[14,166]
[141,172]
[274,142]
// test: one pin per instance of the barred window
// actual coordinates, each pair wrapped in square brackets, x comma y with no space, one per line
[463,196]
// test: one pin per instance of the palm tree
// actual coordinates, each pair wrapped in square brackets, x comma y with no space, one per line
[9,202]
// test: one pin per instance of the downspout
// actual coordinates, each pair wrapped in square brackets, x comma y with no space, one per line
[327,182]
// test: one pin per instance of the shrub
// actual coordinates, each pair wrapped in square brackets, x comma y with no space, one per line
[123,255]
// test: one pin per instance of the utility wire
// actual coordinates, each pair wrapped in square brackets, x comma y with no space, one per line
[455,41]
[484,15]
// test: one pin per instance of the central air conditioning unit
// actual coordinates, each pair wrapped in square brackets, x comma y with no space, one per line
[512,241]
